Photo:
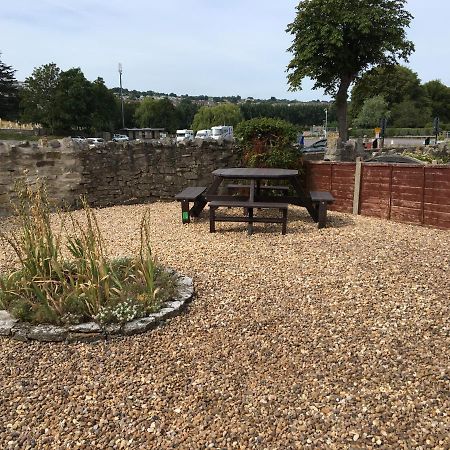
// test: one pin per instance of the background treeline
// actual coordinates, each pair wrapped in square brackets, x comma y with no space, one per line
[65,101]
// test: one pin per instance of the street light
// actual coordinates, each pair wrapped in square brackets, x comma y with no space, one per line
[121,95]
[326,121]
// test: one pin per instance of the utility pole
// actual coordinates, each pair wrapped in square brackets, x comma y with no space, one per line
[121,95]
[326,121]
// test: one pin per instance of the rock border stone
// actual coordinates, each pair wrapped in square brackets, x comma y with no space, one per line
[92,331]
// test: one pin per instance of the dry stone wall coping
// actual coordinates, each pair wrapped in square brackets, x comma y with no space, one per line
[92,331]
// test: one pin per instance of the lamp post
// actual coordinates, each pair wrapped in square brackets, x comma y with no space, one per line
[121,95]
[326,121]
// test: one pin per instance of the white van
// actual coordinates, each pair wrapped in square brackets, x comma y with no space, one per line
[185,135]
[222,132]
[203,134]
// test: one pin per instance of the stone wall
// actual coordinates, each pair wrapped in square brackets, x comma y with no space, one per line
[111,174]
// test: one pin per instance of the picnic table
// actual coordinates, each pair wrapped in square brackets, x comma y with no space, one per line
[258,188]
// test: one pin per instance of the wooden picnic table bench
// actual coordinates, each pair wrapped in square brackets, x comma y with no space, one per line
[191,194]
[320,200]
[248,205]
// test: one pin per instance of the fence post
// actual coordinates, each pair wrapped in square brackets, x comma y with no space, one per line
[357,190]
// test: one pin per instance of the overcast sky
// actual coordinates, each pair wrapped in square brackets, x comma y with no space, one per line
[211,47]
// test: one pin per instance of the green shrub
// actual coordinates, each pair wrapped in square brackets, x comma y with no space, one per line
[268,142]
[48,289]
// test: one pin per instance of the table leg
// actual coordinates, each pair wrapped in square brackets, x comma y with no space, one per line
[250,222]
[212,220]
[322,215]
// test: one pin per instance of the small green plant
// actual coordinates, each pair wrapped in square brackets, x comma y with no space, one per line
[47,288]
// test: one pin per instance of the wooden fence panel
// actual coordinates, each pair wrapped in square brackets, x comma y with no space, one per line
[400,192]
[407,185]
[375,191]
[437,196]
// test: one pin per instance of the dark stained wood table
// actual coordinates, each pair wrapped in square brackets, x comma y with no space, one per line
[256,175]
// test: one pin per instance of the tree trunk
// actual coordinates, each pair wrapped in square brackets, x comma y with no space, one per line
[341,108]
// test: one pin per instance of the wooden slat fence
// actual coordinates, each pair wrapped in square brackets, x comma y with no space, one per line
[400,192]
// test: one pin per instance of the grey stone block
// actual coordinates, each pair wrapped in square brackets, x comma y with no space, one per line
[138,326]
[20,332]
[7,322]
[88,327]
[47,333]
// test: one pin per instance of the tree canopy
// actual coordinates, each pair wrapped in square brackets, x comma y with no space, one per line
[67,100]
[373,110]
[157,114]
[395,83]
[439,95]
[210,116]
[9,95]
[336,41]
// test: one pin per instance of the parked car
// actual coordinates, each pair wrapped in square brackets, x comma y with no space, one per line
[78,139]
[318,146]
[120,138]
[93,142]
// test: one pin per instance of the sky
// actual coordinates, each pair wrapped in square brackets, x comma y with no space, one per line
[195,47]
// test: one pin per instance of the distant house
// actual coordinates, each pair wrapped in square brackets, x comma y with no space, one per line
[144,133]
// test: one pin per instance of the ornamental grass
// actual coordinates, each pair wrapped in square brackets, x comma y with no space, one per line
[49,288]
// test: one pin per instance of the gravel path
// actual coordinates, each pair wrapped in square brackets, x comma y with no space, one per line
[333,338]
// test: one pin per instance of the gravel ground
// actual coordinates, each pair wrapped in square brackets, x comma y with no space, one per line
[333,338]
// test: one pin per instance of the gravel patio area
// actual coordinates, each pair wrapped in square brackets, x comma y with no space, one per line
[332,338]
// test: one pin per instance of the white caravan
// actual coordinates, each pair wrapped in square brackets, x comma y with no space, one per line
[203,134]
[185,135]
[222,132]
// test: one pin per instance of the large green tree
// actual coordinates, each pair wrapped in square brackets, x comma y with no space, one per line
[105,107]
[157,114]
[9,95]
[38,97]
[336,41]
[210,116]
[373,110]
[186,111]
[73,101]
[395,83]
[439,95]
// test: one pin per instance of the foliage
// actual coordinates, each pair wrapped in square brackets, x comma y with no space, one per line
[409,114]
[157,114]
[49,289]
[9,95]
[186,111]
[66,101]
[372,111]
[268,143]
[73,102]
[38,97]
[395,83]
[335,41]
[429,158]
[300,114]
[105,107]
[210,116]
[17,135]
[439,95]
